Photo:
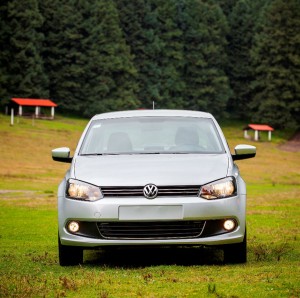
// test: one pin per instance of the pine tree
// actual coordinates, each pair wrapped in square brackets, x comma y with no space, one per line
[63,54]
[242,22]
[171,58]
[152,32]
[27,77]
[276,58]
[115,81]
[180,56]
[227,5]
[131,16]
[5,58]
[205,27]
[137,27]
[149,58]
[90,66]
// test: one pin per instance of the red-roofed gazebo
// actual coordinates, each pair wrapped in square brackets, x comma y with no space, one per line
[257,128]
[37,103]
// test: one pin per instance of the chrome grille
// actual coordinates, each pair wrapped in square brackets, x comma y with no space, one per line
[151,230]
[163,191]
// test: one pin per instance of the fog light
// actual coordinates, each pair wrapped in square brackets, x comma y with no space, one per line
[229,224]
[73,226]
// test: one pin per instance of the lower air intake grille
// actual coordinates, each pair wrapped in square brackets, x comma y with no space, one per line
[151,230]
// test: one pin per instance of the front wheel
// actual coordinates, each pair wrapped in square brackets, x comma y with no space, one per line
[69,255]
[236,253]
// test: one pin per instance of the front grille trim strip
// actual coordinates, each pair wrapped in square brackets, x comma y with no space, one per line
[163,191]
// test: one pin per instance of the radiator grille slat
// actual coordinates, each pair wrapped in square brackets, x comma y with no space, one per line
[151,230]
[163,191]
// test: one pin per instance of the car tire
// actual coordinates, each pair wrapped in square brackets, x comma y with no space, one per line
[69,255]
[236,253]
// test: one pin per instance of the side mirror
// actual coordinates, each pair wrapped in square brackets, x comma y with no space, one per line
[244,152]
[62,155]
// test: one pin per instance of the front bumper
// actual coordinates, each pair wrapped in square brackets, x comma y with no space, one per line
[99,220]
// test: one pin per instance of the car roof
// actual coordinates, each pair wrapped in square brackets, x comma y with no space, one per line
[152,113]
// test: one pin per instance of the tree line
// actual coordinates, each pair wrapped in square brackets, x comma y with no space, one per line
[234,58]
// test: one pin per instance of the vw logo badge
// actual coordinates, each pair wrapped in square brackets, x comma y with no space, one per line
[150,191]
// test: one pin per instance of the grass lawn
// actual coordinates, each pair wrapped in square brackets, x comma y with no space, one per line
[28,231]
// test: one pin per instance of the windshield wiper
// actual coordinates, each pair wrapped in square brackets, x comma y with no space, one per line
[91,154]
[166,152]
[148,153]
[100,154]
[137,153]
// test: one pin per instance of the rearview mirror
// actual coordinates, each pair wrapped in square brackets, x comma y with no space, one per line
[62,154]
[244,152]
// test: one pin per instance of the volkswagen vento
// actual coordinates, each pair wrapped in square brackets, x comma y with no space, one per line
[152,177]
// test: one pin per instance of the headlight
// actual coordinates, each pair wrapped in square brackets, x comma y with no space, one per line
[220,189]
[79,190]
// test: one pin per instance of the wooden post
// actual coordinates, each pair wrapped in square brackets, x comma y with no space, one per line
[269,135]
[256,135]
[37,111]
[52,112]
[12,117]
[246,134]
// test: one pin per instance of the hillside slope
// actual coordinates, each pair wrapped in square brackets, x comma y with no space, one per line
[26,163]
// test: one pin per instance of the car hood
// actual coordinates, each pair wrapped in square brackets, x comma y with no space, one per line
[139,170]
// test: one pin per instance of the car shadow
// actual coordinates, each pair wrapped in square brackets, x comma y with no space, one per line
[133,257]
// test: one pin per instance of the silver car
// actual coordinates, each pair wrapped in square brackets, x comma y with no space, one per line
[152,177]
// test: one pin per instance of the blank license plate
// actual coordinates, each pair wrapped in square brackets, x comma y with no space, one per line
[150,212]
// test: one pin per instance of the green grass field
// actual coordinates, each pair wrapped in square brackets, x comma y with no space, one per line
[28,228]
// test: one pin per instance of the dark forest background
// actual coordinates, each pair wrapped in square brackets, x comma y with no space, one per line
[233,58]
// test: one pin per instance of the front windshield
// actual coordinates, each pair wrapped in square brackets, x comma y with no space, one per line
[152,135]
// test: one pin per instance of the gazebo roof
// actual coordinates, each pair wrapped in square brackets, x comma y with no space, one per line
[34,102]
[260,127]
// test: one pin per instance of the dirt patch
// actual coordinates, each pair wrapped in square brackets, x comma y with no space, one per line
[293,145]
[27,198]
[14,193]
